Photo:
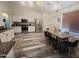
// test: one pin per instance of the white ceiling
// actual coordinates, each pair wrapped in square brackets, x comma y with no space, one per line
[44,6]
[51,6]
[48,6]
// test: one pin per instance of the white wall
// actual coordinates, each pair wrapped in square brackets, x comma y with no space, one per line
[19,12]
[4,7]
[51,20]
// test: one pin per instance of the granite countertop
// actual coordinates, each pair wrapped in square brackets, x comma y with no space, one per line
[4,30]
[5,48]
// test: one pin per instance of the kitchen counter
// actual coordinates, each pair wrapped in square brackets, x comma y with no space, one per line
[4,30]
[5,48]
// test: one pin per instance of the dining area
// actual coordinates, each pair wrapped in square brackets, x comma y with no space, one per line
[63,42]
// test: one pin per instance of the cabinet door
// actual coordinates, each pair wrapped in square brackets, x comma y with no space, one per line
[31,28]
[17,29]
[9,35]
[4,37]
[12,33]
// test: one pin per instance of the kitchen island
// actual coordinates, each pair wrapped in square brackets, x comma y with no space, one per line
[6,42]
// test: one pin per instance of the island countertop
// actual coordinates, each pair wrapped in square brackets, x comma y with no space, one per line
[4,30]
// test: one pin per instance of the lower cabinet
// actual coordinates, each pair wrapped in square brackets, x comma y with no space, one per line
[3,37]
[31,28]
[7,35]
[12,34]
[17,29]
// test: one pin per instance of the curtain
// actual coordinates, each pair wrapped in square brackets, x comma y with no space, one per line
[71,21]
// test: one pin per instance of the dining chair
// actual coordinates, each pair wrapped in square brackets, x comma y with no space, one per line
[52,40]
[74,45]
[63,49]
[68,44]
[46,35]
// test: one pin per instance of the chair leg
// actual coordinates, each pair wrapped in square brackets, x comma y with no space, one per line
[69,52]
[74,52]
[66,53]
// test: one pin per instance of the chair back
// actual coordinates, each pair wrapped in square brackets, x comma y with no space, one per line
[45,33]
[67,43]
[75,43]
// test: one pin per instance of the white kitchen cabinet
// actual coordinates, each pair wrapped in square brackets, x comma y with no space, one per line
[12,33]
[3,37]
[31,20]
[18,20]
[7,35]
[31,28]
[17,29]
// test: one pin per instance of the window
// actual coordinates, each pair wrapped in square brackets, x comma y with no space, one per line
[71,22]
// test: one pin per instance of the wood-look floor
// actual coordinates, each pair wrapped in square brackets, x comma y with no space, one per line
[34,45]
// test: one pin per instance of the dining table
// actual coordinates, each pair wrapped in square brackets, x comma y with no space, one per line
[61,36]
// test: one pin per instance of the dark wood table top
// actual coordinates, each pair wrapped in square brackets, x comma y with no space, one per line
[60,35]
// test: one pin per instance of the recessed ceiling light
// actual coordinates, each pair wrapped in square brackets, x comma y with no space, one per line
[22,2]
[30,3]
[56,6]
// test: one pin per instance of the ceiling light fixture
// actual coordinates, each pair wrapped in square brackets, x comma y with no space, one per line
[30,3]
[22,2]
